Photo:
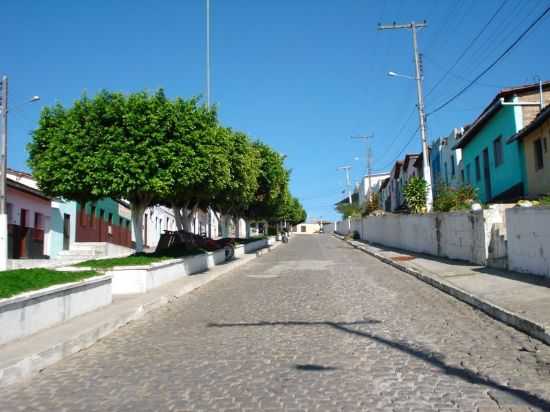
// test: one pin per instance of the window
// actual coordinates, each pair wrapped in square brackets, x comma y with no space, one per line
[9,208]
[539,161]
[499,154]
[453,170]
[462,176]
[469,173]
[303,229]
[478,170]
[446,172]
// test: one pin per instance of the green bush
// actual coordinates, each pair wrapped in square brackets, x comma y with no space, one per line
[415,194]
[371,205]
[545,200]
[450,199]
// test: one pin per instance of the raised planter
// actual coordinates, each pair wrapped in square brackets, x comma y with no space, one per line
[253,246]
[30,312]
[240,250]
[140,279]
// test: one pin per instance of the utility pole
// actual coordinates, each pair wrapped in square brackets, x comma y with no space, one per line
[421,111]
[208,53]
[3,170]
[348,182]
[348,186]
[369,161]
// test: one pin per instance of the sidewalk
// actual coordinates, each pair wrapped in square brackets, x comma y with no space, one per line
[21,359]
[518,300]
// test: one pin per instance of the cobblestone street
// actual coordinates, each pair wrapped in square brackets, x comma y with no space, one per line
[314,325]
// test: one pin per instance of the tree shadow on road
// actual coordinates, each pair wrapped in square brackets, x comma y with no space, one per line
[424,354]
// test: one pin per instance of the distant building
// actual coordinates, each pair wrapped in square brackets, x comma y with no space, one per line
[375,180]
[446,161]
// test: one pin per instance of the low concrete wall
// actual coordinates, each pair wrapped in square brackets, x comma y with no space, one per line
[253,246]
[141,279]
[28,313]
[478,237]
[529,240]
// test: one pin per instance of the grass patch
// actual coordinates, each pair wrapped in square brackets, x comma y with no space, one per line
[14,282]
[141,259]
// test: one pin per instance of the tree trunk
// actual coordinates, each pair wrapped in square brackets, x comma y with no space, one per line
[177,217]
[137,221]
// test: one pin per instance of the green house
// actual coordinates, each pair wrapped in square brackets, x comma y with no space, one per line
[492,164]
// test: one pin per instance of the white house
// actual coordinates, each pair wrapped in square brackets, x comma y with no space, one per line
[366,191]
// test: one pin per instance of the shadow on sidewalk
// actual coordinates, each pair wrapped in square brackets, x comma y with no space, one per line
[424,354]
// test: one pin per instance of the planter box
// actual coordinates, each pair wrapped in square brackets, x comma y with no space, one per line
[30,312]
[240,251]
[141,279]
[253,246]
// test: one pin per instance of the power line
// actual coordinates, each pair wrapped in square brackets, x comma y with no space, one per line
[402,150]
[467,48]
[488,68]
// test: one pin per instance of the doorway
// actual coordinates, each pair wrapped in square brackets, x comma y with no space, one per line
[487,175]
[23,234]
[66,231]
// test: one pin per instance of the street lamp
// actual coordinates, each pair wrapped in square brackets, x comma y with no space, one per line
[3,169]
[394,74]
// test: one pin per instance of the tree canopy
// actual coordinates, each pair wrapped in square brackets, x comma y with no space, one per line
[148,149]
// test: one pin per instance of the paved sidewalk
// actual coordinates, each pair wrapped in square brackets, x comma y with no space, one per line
[22,358]
[519,300]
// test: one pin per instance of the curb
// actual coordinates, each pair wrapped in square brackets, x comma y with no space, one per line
[17,368]
[527,326]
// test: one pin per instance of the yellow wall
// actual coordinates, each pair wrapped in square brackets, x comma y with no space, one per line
[538,181]
[310,228]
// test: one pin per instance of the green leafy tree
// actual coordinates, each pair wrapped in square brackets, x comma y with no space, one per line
[349,210]
[415,194]
[200,161]
[272,186]
[234,199]
[371,204]
[111,145]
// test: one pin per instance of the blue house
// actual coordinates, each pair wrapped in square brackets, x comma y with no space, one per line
[491,164]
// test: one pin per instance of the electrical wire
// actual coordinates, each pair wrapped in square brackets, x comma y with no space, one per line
[493,64]
[467,48]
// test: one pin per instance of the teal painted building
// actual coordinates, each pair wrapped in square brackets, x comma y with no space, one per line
[63,226]
[492,165]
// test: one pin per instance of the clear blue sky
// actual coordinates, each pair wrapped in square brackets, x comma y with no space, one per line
[301,75]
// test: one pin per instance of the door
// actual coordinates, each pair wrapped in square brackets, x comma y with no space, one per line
[101,224]
[23,234]
[66,231]
[487,175]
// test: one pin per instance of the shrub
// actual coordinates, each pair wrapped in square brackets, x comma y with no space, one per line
[450,199]
[356,235]
[371,205]
[415,194]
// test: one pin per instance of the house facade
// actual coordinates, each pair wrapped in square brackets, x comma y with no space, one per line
[494,165]
[29,219]
[446,161]
[534,140]
[395,186]
[366,191]
[106,220]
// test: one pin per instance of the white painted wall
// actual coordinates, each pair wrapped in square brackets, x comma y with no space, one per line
[477,237]
[529,240]
[31,312]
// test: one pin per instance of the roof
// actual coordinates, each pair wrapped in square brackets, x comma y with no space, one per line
[409,157]
[384,183]
[538,121]
[20,173]
[394,174]
[354,199]
[24,188]
[492,108]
